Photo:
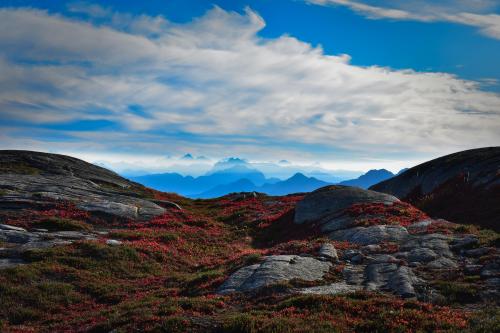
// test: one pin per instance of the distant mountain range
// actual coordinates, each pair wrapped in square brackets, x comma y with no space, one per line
[370,178]
[296,183]
[235,176]
[188,185]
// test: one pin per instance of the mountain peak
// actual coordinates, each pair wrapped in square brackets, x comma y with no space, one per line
[298,176]
[370,178]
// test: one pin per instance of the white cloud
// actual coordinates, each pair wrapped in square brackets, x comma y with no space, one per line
[472,13]
[228,91]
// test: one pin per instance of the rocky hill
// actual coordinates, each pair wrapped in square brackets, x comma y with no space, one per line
[337,259]
[463,187]
[32,179]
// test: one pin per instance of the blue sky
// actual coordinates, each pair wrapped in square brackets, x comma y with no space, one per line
[346,84]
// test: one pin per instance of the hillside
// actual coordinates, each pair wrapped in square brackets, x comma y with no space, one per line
[339,259]
[463,187]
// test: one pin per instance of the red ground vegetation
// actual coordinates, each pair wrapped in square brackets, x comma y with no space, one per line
[399,213]
[164,276]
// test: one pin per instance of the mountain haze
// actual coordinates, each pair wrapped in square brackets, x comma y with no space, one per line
[368,179]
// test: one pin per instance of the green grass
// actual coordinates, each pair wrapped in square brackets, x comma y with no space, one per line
[62,224]
[458,293]
[485,321]
[486,237]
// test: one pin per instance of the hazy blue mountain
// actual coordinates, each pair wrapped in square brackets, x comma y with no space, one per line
[370,178]
[168,182]
[187,185]
[231,162]
[241,185]
[230,175]
[296,183]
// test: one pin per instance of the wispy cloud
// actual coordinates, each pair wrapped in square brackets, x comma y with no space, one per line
[472,13]
[213,86]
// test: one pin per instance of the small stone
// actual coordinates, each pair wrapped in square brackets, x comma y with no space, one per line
[442,263]
[420,225]
[491,270]
[10,262]
[113,242]
[357,259]
[327,250]
[372,248]
[384,258]
[349,253]
[464,243]
[11,227]
[472,269]
[479,252]
[422,255]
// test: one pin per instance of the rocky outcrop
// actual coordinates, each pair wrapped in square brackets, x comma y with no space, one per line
[16,241]
[31,179]
[381,254]
[387,274]
[463,187]
[275,269]
[331,200]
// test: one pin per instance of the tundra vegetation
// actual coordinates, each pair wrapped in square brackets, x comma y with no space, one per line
[165,274]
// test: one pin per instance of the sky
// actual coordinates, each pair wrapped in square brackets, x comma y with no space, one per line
[337,84]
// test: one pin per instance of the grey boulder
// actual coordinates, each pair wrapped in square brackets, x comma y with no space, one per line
[328,251]
[275,269]
[334,199]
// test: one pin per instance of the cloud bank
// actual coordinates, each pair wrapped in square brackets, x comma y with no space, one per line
[471,13]
[213,86]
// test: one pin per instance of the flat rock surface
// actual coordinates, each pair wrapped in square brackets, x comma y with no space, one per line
[371,235]
[20,241]
[331,289]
